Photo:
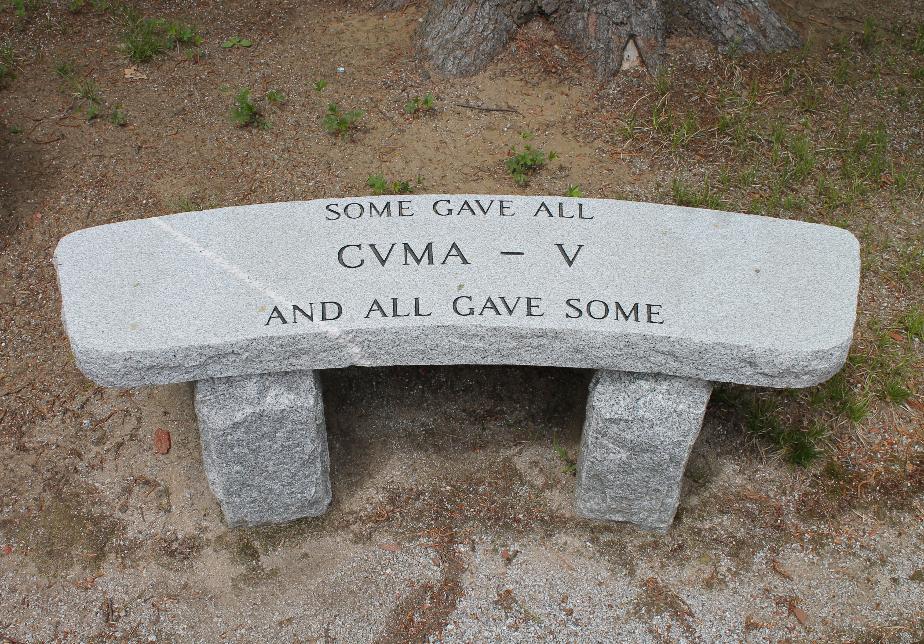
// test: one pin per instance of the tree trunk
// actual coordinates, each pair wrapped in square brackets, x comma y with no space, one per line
[460,37]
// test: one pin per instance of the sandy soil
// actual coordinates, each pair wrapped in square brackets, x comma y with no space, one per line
[452,512]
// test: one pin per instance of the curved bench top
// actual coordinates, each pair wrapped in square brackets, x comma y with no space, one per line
[460,279]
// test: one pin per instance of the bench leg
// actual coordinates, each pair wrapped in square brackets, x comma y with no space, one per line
[264,446]
[637,437]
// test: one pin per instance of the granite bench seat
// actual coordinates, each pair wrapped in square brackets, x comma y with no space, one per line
[250,301]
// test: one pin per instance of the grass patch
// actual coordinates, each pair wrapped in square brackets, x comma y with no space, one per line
[912,323]
[760,414]
[839,397]
[686,195]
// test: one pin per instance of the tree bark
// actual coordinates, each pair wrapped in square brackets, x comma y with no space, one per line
[460,37]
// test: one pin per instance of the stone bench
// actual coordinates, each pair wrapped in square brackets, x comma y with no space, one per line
[249,302]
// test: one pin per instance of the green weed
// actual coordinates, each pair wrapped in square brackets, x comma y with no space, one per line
[569,463]
[526,163]
[7,70]
[340,123]
[145,38]
[574,191]
[236,41]
[420,104]
[244,111]
[275,97]
[381,186]
[320,85]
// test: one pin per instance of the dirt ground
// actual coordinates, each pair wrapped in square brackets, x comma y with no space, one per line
[802,515]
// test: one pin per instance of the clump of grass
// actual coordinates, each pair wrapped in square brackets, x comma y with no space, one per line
[320,85]
[912,323]
[866,159]
[840,397]
[275,97]
[381,186]
[761,416]
[420,104]
[662,82]
[338,122]
[65,70]
[870,36]
[84,90]
[524,164]
[145,38]
[685,195]
[117,117]
[22,8]
[684,132]
[7,71]
[574,191]
[245,112]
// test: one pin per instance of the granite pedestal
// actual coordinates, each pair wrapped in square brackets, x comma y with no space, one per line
[638,433]
[264,446]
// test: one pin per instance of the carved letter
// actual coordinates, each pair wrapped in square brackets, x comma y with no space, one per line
[455,251]
[296,309]
[340,256]
[427,253]
[382,260]
[625,316]
[570,260]
[277,314]
[376,307]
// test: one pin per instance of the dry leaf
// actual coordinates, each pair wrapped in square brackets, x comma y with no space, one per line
[390,547]
[798,613]
[132,73]
[898,337]
[917,404]
[161,441]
